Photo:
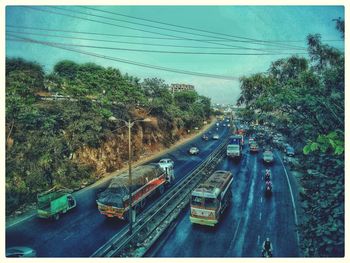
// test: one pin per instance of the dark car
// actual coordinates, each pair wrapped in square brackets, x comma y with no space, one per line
[254,147]
[268,156]
[290,151]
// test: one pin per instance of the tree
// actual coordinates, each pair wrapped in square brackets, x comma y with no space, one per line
[66,69]
[305,99]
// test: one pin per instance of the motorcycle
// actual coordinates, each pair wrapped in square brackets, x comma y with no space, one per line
[267,249]
[266,254]
[268,188]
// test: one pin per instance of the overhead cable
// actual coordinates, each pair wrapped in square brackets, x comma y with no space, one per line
[172,52]
[186,72]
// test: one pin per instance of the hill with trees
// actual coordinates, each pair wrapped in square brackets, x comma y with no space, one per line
[62,128]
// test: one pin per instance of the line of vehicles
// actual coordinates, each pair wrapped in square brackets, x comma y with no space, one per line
[194,150]
[208,200]
[147,180]
[235,146]
[115,200]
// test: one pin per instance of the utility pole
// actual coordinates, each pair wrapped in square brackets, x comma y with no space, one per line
[130,180]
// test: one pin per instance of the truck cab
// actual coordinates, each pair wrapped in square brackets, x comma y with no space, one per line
[167,166]
[233,150]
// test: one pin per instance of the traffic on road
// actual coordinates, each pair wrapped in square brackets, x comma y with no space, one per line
[239,194]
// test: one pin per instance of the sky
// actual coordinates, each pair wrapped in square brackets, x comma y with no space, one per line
[282,28]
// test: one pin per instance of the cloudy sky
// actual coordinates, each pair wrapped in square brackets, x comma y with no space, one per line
[229,41]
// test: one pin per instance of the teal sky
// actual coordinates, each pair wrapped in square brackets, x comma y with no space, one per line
[268,23]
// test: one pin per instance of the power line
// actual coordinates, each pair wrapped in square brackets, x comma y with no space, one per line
[127,27]
[153,38]
[132,43]
[169,51]
[207,75]
[250,40]
[124,21]
[244,39]
[89,33]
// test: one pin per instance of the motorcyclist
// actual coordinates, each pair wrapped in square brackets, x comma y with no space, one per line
[267,174]
[268,185]
[267,248]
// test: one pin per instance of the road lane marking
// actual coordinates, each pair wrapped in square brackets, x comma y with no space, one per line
[240,242]
[260,199]
[68,236]
[260,216]
[21,220]
[234,236]
[258,240]
[292,197]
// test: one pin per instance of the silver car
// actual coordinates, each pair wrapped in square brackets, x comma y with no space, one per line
[193,150]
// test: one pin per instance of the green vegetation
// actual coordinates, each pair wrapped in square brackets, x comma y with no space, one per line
[45,131]
[305,100]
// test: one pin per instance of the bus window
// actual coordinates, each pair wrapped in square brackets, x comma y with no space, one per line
[210,203]
[197,200]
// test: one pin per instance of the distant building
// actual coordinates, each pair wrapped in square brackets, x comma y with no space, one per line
[180,87]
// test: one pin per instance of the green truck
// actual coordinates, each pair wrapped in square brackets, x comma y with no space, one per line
[54,202]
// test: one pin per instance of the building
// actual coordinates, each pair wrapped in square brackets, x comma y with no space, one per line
[180,87]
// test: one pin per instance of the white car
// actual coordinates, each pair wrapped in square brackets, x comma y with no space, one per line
[166,163]
[19,252]
[193,150]
[216,136]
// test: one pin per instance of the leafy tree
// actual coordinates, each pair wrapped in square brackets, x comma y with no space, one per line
[66,69]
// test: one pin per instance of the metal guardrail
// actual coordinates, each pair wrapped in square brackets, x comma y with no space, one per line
[148,222]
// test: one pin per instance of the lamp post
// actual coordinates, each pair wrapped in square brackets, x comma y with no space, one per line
[129,124]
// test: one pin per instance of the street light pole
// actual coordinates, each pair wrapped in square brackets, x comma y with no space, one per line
[130,179]
[129,124]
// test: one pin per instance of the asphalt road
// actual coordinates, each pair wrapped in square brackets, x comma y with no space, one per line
[250,219]
[83,230]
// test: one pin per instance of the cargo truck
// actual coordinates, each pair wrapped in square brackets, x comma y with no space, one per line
[53,202]
[146,180]
[234,147]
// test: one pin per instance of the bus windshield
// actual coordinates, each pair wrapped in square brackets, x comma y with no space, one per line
[204,202]
[233,147]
